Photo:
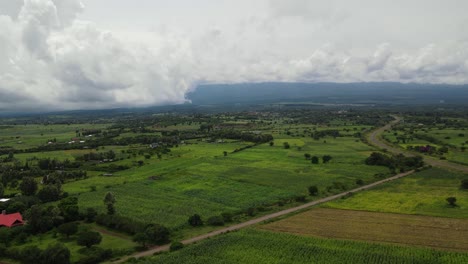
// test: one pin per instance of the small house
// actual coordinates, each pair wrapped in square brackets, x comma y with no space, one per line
[11,220]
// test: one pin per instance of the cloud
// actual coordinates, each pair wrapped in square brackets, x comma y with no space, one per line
[50,59]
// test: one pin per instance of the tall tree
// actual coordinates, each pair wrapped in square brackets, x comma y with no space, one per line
[56,254]
[109,201]
[28,186]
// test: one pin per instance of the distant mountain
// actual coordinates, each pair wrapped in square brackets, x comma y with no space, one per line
[329,93]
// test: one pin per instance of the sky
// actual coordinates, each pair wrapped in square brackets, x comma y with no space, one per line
[92,54]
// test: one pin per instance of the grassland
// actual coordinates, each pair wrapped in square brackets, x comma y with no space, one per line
[435,232]
[422,193]
[256,246]
[29,136]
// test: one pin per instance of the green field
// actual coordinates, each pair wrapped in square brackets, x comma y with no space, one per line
[29,136]
[255,246]
[422,193]
[197,178]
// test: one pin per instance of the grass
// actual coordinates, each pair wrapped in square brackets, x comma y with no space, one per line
[436,232]
[264,247]
[422,193]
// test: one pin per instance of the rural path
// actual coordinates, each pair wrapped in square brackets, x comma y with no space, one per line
[158,249]
[375,139]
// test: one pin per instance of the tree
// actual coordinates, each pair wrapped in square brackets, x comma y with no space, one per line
[90,215]
[157,234]
[141,238]
[89,238]
[313,190]
[464,184]
[28,186]
[5,236]
[56,254]
[30,254]
[452,201]
[69,208]
[286,145]
[49,193]
[326,158]
[109,201]
[307,156]
[68,229]
[195,220]
[315,160]
[1,190]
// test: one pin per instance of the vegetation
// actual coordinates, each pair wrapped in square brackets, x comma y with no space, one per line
[254,246]
[152,177]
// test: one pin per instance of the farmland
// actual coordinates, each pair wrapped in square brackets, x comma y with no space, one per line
[435,232]
[256,246]
[423,193]
[166,177]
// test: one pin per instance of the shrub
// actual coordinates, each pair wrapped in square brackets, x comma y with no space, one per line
[176,246]
[195,220]
[216,221]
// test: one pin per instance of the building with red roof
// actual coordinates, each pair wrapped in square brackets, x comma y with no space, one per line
[11,220]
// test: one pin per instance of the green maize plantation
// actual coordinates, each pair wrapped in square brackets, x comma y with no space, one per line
[264,247]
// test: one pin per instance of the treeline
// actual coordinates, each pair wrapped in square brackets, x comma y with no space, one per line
[244,136]
[396,162]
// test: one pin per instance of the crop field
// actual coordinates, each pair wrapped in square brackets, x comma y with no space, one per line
[435,232]
[422,193]
[198,178]
[257,246]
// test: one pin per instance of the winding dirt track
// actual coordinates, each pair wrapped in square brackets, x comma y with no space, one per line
[374,139]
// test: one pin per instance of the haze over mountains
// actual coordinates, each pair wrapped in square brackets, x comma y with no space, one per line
[330,93]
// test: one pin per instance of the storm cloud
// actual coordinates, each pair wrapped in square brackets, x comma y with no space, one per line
[55,54]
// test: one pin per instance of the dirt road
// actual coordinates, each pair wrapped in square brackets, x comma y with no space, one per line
[375,139]
[157,249]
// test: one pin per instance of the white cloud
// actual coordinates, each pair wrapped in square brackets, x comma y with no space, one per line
[50,59]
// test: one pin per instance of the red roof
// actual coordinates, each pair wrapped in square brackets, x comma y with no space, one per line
[10,220]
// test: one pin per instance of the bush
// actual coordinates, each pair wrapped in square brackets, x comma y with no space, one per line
[176,246]
[464,184]
[227,217]
[313,190]
[195,220]
[216,221]
[452,201]
[89,238]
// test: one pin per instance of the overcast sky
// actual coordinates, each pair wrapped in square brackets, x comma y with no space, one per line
[72,54]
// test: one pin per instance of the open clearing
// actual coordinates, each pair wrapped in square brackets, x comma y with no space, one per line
[436,232]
